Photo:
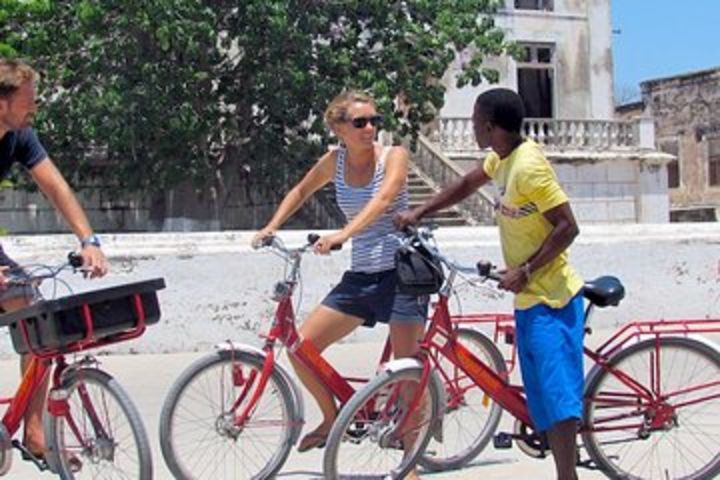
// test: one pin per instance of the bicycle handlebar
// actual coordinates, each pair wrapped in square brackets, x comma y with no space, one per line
[274,242]
[488,270]
[423,234]
[314,237]
[19,278]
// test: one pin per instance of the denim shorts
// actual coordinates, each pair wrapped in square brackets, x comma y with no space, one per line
[550,348]
[374,297]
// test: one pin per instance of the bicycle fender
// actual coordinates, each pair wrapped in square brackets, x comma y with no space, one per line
[409,363]
[6,451]
[400,364]
[299,414]
[701,339]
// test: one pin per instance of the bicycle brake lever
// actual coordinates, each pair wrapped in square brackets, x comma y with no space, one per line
[75,260]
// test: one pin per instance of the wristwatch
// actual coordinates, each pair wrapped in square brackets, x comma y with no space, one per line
[93,240]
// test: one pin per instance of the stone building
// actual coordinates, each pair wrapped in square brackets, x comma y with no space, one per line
[567,71]
[686,114]
[609,167]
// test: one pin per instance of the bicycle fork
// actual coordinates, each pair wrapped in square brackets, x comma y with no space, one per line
[102,446]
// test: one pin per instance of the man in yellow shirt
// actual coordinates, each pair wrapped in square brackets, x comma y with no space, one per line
[536,228]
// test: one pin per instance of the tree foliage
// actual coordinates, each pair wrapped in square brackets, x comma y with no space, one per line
[143,95]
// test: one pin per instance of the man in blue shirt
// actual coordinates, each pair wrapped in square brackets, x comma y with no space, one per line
[19,144]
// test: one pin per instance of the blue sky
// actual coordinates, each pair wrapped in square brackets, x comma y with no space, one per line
[659,38]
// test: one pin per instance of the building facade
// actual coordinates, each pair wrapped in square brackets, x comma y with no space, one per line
[686,113]
[567,69]
[609,167]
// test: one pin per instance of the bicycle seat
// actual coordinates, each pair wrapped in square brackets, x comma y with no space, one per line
[604,291]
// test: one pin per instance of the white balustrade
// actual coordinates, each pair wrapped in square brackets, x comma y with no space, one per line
[455,134]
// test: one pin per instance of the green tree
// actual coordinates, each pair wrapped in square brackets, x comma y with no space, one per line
[145,95]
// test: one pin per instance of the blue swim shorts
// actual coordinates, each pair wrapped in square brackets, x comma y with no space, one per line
[550,348]
[374,298]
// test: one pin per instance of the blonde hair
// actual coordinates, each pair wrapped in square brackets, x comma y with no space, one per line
[337,111]
[13,74]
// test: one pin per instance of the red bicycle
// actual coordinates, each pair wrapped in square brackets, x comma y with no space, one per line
[650,404]
[236,413]
[92,428]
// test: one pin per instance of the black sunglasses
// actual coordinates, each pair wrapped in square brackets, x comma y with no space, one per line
[361,122]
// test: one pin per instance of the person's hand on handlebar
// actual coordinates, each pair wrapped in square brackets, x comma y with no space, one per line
[513,279]
[95,264]
[261,236]
[329,242]
[405,218]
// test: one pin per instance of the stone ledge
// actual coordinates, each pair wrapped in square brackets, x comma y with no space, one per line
[208,243]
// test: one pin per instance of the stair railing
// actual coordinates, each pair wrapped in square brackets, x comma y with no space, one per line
[441,171]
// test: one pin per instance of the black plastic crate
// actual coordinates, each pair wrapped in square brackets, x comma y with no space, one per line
[55,325]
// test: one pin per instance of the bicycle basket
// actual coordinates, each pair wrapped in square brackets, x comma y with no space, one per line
[418,272]
[84,320]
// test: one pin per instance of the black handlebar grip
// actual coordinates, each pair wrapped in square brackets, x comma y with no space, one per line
[267,241]
[75,260]
[487,270]
[314,237]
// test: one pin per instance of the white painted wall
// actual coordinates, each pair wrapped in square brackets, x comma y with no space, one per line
[582,33]
[618,186]
[218,288]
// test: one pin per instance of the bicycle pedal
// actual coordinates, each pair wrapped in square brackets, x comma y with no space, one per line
[28,456]
[502,441]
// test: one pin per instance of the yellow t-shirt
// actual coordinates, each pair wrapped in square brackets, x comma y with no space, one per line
[528,187]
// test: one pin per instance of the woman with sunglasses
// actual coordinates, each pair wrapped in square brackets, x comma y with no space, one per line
[370,185]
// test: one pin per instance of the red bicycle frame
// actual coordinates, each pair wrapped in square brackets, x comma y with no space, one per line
[441,337]
[41,362]
[283,330]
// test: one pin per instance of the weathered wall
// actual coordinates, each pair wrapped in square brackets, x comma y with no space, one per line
[180,209]
[686,109]
[610,187]
[218,288]
[581,33]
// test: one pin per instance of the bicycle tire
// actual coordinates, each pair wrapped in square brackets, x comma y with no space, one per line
[341,435]
[467,426]
[214,422]
[661,454]
[97,452]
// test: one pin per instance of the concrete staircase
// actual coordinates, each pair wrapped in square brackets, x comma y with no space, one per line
[419,190]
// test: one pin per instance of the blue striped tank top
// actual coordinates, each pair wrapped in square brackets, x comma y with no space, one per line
[373,249]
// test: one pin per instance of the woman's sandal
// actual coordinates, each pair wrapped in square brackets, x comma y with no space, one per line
[315,439]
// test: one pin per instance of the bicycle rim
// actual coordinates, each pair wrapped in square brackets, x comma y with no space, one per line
[101,435]
[367,440]
[471,416]
[622,441]
[198,433]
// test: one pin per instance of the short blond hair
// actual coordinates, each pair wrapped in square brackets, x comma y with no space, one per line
[337,111]
[13,74]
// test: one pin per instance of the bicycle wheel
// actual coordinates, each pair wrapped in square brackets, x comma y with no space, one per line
[471,416]
[101,434]
[198,435]
[365,440]
[677,436]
